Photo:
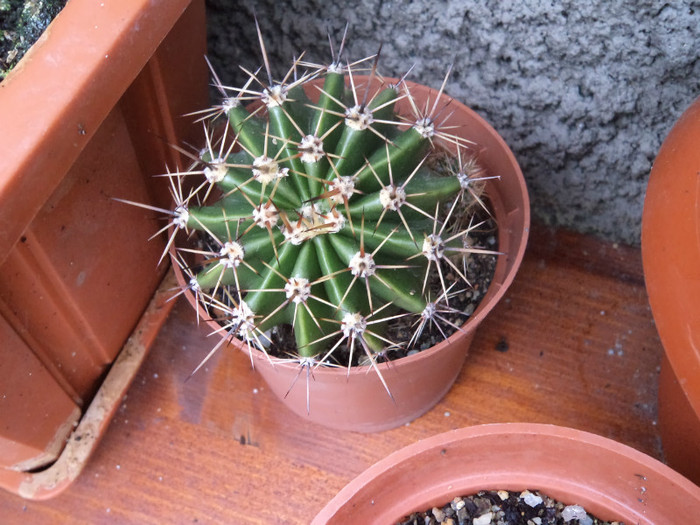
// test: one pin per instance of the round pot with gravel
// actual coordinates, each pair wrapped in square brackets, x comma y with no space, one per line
[478,474]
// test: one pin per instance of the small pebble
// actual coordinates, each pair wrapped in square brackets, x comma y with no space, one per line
[457,503]
[530,499]
[484,508]
[439,514]
[484,519]
[576,512]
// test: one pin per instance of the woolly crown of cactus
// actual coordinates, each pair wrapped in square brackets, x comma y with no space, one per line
[321,208]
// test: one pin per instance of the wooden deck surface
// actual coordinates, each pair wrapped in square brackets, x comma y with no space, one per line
[580,347]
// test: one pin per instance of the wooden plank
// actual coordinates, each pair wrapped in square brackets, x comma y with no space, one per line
[582,351]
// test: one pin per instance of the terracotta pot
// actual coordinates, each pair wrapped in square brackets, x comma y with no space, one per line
[671,258]
[608,479]
[85,116]
[359,401]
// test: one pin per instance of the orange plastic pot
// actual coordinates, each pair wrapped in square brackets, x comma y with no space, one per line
[86,116]
[671,258]
[610,480]
[358,401]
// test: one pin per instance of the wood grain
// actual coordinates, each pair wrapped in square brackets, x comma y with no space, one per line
[573,344]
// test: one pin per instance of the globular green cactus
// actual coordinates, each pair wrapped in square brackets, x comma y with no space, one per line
[323,209]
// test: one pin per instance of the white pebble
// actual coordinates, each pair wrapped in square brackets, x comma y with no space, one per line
[484,519]
[439,514]
[576,512]
[530,499]
[457,503]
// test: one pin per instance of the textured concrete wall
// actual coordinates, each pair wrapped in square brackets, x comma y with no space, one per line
[583,92]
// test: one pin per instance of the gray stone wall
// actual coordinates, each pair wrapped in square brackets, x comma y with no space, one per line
[583,92]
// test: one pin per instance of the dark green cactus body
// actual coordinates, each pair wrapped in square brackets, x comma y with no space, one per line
[324,212]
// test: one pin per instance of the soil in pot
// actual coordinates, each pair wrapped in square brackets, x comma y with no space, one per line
[503,507]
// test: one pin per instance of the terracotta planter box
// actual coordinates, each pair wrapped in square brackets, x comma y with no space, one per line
[85,117]
[671,258]
[609,480]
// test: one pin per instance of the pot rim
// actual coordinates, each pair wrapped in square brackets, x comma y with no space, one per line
[654,477]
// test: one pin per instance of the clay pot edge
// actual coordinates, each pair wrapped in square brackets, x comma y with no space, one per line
[652,472]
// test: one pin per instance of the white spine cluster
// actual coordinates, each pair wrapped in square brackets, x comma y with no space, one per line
[362,265]
[215,171]
[274,96]
[231,254]
[433,247]
[297,289]
[359,117]
[392,197]
[311,149]
[342,189]
[267,170]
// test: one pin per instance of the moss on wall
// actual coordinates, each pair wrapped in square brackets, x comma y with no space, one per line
[21,24]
